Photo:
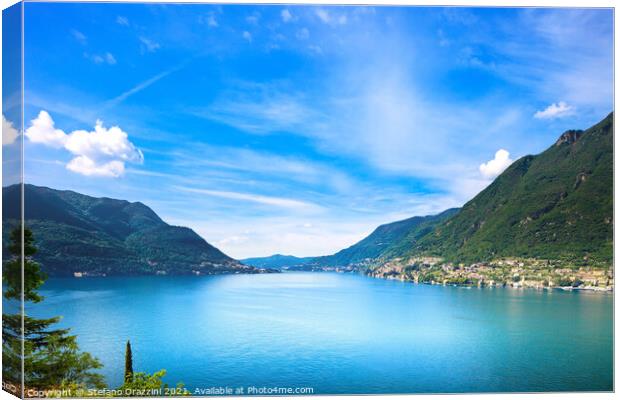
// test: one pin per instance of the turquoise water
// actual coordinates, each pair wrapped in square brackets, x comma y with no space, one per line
[339,333]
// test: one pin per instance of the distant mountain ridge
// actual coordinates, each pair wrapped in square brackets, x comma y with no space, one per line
[385,240]
[277,261]
[79,233]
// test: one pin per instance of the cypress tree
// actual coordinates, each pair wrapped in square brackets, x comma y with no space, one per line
[128,363]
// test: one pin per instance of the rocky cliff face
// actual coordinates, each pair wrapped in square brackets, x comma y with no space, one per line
[569,137]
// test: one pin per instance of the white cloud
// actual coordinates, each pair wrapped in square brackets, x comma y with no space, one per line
[555,110]
[122,20]
[9,133]
[247,36]
[86,166]
[103,143]
[42,131]
[79,36]
[102,152]
[148,45]
[286,15]
[497,165]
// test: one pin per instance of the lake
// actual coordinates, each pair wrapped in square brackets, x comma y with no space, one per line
[339,333]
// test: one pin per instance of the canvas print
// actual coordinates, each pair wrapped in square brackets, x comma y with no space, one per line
[242,200]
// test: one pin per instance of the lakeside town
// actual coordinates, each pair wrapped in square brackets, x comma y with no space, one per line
[505,272]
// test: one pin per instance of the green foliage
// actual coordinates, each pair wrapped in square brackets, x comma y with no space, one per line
[564,282]
[128,363]
[144,384]
[50,357]
[55,359]
[12,269]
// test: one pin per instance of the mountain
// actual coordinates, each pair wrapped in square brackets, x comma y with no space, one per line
[96,236]
[277,261]
[555,205]
[386,240]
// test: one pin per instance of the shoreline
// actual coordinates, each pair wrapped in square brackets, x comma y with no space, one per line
[589,289]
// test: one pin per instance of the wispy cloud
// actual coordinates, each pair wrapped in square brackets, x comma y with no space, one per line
[106,58]
[377,102]
[122,20]
[302,34]
[143,85]
[253,19]
[286,15]
[257,198]
[328,17]
[148,45]
[79,36]
[260,108]
[555,110]
[558,53]
[211,21]
[267,168]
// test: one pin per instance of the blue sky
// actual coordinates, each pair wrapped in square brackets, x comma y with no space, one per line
[299,129]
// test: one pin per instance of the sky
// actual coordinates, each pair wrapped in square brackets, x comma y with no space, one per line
[299,129]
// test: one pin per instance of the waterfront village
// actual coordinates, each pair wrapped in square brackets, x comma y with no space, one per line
[512,272]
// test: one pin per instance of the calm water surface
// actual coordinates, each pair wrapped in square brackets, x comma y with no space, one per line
[339,333]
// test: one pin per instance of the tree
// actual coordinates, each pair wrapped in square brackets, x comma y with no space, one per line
[51,357]
[128,364]
[143,384]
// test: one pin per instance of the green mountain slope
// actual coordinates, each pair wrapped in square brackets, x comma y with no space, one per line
[387,240]
[276,261]
[555,205]
[78,233]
